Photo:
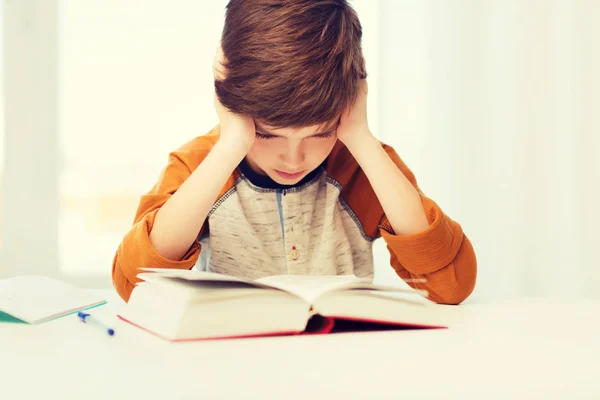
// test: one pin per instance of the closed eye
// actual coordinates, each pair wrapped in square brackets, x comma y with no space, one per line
[323,135]
[264,136]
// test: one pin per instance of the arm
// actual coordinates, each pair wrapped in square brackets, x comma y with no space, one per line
[398,197]
[423,242]
[178,221]
[173,214]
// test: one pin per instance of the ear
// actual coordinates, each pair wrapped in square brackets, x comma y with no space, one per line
[363,68]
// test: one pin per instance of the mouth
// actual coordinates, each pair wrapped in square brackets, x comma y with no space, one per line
[288,175]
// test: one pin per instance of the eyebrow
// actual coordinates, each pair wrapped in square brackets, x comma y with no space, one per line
[264,132]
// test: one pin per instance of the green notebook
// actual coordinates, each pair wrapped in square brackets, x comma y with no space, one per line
[34,299]
[4,317]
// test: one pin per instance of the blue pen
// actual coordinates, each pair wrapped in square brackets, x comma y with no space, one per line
[88,319]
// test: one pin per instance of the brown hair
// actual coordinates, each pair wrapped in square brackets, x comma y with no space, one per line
[291,63]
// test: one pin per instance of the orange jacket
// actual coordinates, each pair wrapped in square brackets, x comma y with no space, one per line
[325,225]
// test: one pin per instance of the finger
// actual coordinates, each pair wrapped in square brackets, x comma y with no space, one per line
[365,86]
[219,64]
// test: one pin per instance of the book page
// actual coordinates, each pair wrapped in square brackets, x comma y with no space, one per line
[310,287]
[191,275]
[202,290]
[199,278]
[307,287]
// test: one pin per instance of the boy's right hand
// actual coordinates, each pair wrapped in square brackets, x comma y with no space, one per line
[237,131]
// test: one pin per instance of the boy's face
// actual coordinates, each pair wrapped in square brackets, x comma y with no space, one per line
[287,155]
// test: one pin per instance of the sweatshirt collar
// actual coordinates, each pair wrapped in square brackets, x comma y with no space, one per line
[265,182]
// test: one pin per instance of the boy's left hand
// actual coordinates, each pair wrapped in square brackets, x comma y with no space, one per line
[354,128]
[400,200]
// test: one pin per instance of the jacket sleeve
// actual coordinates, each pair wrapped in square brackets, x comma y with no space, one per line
[136,250]
[441,254]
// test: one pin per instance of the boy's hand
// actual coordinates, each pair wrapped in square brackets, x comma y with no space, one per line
[237,130]
[354,128]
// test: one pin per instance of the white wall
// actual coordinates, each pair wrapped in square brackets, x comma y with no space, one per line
[29,180]
[495,106]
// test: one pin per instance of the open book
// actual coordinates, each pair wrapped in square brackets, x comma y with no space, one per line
[180,305]
[35,299]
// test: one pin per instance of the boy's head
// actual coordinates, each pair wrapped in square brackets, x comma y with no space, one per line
[294,66]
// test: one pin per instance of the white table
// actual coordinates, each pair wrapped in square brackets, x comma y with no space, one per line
[526,350]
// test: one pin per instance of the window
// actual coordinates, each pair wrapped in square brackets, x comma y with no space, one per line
[135,83]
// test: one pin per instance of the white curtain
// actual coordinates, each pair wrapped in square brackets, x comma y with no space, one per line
[495,105]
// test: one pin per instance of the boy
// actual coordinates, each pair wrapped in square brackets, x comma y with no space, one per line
[292,181]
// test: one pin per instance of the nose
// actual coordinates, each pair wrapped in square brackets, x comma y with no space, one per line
[293,155]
